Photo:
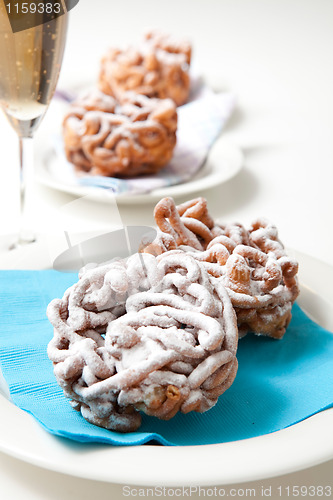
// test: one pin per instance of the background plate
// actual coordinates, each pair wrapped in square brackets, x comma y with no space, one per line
[223,162]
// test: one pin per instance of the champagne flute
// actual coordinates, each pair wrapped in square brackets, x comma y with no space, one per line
[30,62]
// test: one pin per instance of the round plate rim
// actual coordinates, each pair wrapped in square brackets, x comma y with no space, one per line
[223,150]
[297,447]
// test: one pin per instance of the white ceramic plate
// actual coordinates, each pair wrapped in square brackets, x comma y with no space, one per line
[295,448]
[224,161]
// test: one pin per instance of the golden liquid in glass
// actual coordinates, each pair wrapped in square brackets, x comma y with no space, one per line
[30,63]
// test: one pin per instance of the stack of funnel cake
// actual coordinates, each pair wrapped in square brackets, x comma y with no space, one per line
[157,333]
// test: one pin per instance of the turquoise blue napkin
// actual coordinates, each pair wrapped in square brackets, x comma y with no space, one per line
[278,383]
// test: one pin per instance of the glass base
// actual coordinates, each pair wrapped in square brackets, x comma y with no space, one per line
[22,241]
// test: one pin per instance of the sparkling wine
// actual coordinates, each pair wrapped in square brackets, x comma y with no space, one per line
[30,62]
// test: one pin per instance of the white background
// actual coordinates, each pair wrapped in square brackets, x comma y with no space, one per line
[276,56]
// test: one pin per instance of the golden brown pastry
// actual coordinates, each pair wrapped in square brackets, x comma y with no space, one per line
[133,137]
[251,263]
[158,67]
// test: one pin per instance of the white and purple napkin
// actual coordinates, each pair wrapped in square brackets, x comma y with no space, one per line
[200,122]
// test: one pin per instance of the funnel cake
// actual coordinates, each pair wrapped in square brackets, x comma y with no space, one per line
[188,224]
[157,335]
[158,67]
[169,43]
[120,139]
[252,264]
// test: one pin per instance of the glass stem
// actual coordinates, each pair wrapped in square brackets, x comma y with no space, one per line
[26,235]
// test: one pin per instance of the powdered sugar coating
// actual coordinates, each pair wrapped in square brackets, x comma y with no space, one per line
[169,44]
[261,279]
[151,334]
[156,67]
